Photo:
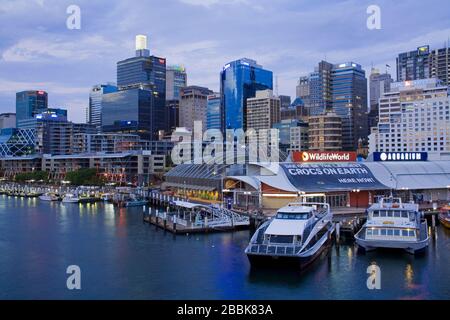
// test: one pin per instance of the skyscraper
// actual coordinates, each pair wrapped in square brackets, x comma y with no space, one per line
[139,105]
[263,110]
[193,104]
[320,97]
[414,65]
[239,80]
[213,120]
[379,83]
[176,78]
[95,102]
[349,93]
[143,71]
[29,103]
[440,64]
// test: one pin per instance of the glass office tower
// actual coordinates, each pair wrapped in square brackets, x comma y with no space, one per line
[96,100]
[349,92]
[213,112]
[133,111]
[30,103]
[239,80]
[139,105]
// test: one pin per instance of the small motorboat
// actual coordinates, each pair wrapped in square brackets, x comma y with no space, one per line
[70,198]
[49,196]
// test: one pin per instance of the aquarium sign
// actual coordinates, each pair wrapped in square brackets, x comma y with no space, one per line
[400,156]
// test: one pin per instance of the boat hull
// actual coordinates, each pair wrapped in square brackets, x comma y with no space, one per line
[409,246]
[296,261]
[259,261]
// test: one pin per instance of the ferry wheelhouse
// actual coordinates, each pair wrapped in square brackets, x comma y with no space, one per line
[393,224]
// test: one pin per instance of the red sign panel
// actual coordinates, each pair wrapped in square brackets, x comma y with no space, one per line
[324,156]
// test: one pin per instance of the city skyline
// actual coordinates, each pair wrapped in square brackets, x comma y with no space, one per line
[44,55]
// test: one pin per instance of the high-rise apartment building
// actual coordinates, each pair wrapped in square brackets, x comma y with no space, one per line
[193,106]
[414,117]
[263,110]
[413,65]
[239,80]
[440,64]
[424,63]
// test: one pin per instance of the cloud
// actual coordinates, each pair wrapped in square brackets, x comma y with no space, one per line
[210,3]
[45,49]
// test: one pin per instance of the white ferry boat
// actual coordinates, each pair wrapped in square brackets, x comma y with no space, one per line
[393,224]
[296,235]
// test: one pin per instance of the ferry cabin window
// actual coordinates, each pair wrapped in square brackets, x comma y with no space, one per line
[383,232]
[411,233]
[293,216]
[405,233]
[397,214]
[396,232]
[390,232]
[404,214]
[376,214]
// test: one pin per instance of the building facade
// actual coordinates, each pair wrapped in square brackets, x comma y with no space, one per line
[136,167]
[379,83]
[440,64]
[7,120]
[349,92]
[263,110]
[413,65]
[107,143]
[29,103]
[213,120]
[239,80]
[320,95]
[95,102]
[133,111]
[414,117]
[325,132]
[193,106]
[176,78]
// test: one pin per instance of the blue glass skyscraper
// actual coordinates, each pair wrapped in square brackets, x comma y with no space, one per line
[239,80]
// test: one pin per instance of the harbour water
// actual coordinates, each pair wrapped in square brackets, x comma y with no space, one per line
[122,258]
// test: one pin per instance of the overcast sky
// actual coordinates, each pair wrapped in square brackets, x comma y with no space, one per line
[289,37]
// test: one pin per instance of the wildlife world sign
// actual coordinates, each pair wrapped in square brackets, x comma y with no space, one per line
[331,177]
